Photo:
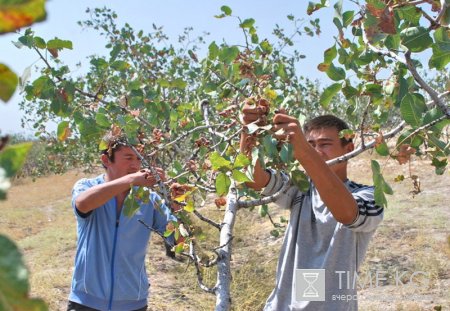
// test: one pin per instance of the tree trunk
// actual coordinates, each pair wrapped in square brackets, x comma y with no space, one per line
[223,296]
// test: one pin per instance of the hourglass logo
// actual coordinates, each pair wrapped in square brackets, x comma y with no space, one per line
[310,285]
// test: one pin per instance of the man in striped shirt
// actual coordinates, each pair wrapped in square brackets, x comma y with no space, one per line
[330,225]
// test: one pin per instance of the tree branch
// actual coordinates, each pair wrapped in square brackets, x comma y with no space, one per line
[433,94]
[207,220]
[223,298]
[269,199]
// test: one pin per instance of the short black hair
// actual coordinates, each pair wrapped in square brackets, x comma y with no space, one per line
[113,143]
[327,121]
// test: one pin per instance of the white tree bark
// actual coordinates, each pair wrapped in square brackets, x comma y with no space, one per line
[223,296]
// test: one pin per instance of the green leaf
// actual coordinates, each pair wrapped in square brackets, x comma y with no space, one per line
[263,210]
[39,43]
[410,14]
[411,108]
[300,180]
[63,130]
[335,73]
[349,91]
[275,233]
[218,162]
[381,186]
[18,14]
[8,82]
[329,55]
[120,65]
[270,146]
[213,50]
[440,165]
[228,54]
[59,44]
[178,83]
[441,49]
[102,120]
[43,88]
[382,149]
[14,287]
[223,183]
[226,10]
[130,204]
[329,93]
[241,161]
[287,153]
[266,46]
[249,22]
[347,18]
[240,177]
[416,39]
[13,157]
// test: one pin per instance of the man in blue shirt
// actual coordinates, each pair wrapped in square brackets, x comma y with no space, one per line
[109,269]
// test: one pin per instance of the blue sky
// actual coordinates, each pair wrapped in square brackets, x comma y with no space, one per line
[174,16]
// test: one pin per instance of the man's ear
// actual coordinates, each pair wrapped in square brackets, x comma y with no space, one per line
[349,147]
[105,160]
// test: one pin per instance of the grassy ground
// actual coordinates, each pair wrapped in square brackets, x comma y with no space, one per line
[413,237]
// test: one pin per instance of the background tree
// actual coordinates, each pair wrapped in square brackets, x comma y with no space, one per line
[181,109]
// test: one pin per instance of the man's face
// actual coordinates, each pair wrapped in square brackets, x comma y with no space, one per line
[125,162]
[328,145]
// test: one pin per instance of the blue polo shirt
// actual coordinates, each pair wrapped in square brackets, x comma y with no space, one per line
[110,269]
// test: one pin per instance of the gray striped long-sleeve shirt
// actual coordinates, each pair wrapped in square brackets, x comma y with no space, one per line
[315,240]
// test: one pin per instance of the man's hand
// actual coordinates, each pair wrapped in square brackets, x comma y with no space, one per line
[287,128]
[145,177]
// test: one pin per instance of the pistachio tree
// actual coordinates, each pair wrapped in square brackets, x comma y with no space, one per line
[179,106]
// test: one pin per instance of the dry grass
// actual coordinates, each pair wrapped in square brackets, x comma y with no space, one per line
[413,237]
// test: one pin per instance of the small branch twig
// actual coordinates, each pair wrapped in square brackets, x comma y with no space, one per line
[207,220]
[193,256]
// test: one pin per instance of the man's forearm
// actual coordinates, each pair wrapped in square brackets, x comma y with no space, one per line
[98,195]
[331,188]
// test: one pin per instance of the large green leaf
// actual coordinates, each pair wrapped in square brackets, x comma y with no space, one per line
[335,73]
[59,44]
[287,153]
[241,161]
[13,157]
[329,54]
[63,130]
[15,14]
[8,82]
[381,186]
[223,182]
[412,108]
[329,93]
[218,162]
[270,146]
[239,176]
[441,49]
[14,285]
[416,39]
[228,54]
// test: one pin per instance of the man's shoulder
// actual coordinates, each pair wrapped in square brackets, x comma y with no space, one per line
[89,182]
[357,187]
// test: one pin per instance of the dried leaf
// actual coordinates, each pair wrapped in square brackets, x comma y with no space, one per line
[404,153]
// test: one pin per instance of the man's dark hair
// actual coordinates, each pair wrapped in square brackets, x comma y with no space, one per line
[327,121]
[113,143]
